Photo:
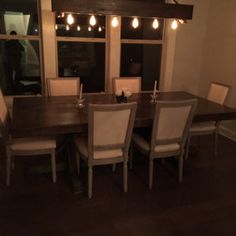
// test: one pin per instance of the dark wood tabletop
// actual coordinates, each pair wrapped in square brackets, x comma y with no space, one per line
[60,115]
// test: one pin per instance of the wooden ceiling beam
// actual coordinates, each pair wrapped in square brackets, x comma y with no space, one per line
[124,8]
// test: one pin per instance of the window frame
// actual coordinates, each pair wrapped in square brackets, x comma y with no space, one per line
[38,38]
[150,42]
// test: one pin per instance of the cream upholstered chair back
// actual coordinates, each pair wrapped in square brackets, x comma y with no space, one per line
[63,87]
[172,121]
[4,116]
[133,84]
[110,127]
[218,92]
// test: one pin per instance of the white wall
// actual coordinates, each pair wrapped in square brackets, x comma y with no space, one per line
[219,54]
[189,49]
[206,50]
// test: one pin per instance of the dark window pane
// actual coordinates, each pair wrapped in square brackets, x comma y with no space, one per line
[141,60]
[80,27]
[145,29]
[20,67]
[85,60]
[19,16]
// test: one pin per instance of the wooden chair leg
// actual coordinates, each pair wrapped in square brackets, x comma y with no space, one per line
[12,163]
[53,165]
[181,168]
[150,173]
[8,169]
[90,181]
[77,162]
[215,144]
[187,147]
[125,176]
[131,157]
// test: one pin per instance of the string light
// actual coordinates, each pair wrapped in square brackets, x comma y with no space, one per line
[135,23]
[181,21]
[70,19]
[100,29]
[92,20]
[67,27]
[89,28]
[78,28]
[114,22]
[155,24]
[174,24]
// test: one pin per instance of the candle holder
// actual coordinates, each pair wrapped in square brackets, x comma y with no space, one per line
[154,98]
[80,102]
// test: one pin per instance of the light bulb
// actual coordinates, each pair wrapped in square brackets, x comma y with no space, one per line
[56,27]
[62,14]
[114,22]
[78,28]
[67,27]
[135,23]
[92,20]
[89,28]
[100,29]
[174,24]
[181,21]
[70,19]
[155,24]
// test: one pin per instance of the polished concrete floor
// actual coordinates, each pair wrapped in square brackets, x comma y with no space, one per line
[204,204]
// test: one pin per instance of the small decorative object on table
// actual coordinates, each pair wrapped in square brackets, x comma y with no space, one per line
[80,101]
[154,95]
[122,95]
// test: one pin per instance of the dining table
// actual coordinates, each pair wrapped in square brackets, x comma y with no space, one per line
[34,116]
[62,115]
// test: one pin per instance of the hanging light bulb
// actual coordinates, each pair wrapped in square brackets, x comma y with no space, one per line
[62,14]
[174,24]
[100,29]
[135,23]
[78,28]
[56,27]
[114,22]
[92,20]
[155,24]
[70,19]
[67,27]
[89,28]
[181,21]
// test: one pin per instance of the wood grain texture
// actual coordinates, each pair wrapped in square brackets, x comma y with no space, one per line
[59,115]
[124,8]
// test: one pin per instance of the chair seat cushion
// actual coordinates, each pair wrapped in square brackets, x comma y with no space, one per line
[33,144]
[82,145]
[203,127]
[160,148]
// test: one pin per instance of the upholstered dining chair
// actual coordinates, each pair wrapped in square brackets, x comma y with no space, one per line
[63,87]
[109,135]
[171,123]
[23,146]
[133,84]
[217,93]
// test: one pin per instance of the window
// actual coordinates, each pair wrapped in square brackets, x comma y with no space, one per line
[81,26]
[85,60]
[20,17]
[81,50]
[141,60]
[20,69]
[145,29]
[141,49]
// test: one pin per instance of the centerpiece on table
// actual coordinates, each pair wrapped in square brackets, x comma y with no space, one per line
[122,95]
